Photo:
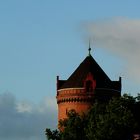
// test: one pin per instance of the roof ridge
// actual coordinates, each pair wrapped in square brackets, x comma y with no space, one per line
[87,65]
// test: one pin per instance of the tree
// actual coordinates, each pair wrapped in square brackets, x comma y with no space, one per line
[112,121]
[73,126]
[52,135]
[116,120]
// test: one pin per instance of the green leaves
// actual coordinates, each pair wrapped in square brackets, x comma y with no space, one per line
[116,120]
[73,127]
[52,135]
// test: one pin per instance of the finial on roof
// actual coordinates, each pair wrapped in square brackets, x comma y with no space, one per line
[89,49]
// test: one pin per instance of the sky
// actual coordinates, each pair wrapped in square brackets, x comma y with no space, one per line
[40,39]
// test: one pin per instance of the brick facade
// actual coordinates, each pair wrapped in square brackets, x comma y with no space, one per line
[73,98]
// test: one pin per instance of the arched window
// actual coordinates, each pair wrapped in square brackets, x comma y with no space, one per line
[89,86]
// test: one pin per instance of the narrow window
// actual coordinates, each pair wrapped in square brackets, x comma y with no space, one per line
[89,87]
[66,111]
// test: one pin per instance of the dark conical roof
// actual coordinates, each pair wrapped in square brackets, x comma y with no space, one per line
[89,65]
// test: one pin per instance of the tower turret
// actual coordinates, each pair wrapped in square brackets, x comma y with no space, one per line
[87,83]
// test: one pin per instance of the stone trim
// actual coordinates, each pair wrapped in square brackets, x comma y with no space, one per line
[69,89]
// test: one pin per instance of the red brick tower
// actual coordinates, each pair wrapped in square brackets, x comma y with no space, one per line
[87,83]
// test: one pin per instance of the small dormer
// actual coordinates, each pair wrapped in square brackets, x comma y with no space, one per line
[89,83]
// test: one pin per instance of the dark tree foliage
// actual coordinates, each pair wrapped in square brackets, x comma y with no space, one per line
[73,127]
[114,121]
[52,135]
[118,119]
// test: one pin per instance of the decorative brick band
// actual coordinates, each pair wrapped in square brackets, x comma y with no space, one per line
[63,100]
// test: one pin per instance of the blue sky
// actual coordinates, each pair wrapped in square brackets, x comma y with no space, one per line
[40,39]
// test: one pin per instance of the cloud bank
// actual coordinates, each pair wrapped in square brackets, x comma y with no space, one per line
[20,120]
[120,36]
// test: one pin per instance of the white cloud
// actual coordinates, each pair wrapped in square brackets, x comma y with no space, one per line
[120,36]
[24,107]
[24,120]
[48,103]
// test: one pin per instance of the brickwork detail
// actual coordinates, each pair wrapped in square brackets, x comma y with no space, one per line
[73,98]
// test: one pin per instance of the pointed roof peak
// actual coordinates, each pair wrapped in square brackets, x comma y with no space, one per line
[79,75]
